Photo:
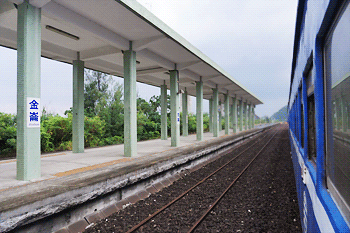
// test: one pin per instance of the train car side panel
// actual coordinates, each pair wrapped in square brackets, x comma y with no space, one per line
[319,114]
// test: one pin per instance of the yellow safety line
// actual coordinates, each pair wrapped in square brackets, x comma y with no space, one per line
[8,161]
[88,168]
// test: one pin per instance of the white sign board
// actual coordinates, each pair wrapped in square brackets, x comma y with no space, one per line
[178,118]
[33,112]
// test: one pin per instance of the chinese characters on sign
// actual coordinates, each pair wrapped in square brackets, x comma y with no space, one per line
[33,112]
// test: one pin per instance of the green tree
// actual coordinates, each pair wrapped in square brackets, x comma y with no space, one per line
[114,114]
[97,95]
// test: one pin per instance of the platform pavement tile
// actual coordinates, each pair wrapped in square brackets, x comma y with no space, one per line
[151,189]
[133,199]
[172,179]
[63,230]
[94,217]
[121,203]
[166,182]
[177,176]
[158,186]
[184,173]
[78,226]
[143,194]
[109,210]
[195,168]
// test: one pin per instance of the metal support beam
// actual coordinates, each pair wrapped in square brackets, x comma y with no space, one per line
[227,114]
[184,114]
[199,113]
[78,107]
[174,108]
[163,105]
[130,116]
[215,112]
[28,91]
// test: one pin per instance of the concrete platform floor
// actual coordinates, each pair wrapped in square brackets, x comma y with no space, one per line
[55,165]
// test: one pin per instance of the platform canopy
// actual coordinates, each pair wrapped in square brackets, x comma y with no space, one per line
[100,30]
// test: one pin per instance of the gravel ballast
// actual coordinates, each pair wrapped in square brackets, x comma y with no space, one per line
[263,200]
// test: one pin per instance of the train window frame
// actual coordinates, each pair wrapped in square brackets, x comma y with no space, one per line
[310,109]
[342,203]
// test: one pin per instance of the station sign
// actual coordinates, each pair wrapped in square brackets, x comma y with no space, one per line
[33,112]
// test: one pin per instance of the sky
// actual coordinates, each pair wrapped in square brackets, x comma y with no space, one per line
[252,40]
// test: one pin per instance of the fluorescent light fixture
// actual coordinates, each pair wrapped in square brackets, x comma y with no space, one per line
[61,32]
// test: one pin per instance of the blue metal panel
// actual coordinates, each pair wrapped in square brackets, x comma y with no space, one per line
[306,122]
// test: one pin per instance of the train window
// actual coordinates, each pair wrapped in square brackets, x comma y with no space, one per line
[311,123]
[311,127]
[337,79]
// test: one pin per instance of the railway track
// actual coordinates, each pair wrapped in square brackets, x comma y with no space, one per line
[263,199]
[237,165]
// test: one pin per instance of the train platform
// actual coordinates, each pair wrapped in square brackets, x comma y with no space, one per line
[71,179]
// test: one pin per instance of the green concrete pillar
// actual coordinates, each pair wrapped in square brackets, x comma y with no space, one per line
[78,107]
[174,107]
[28,91]
[163,105]
[199,112]
[215,112]
[336,115]
[241,115]
[245,116]
[342,114]
[249,116]
[220,115]
[130,115]
[253,116]
[227,114]
[184,114]
[211,115]
[234,115]
[231,116]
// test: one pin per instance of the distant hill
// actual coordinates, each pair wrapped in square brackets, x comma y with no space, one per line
[281,115]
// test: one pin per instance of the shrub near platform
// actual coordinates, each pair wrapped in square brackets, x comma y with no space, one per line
[7,134]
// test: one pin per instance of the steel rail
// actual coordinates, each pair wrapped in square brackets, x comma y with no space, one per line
[190,189]
[228,188]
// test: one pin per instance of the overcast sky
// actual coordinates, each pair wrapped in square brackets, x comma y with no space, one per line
[251,39]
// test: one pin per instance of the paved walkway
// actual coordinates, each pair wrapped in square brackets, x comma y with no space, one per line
[65,163]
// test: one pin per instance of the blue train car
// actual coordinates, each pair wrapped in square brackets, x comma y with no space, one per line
[319,114]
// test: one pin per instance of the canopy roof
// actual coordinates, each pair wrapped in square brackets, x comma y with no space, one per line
[100,30]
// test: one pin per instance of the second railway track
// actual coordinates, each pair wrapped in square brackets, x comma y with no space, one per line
[187,205]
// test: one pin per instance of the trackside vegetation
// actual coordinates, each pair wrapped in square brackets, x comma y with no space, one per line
[104,119]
